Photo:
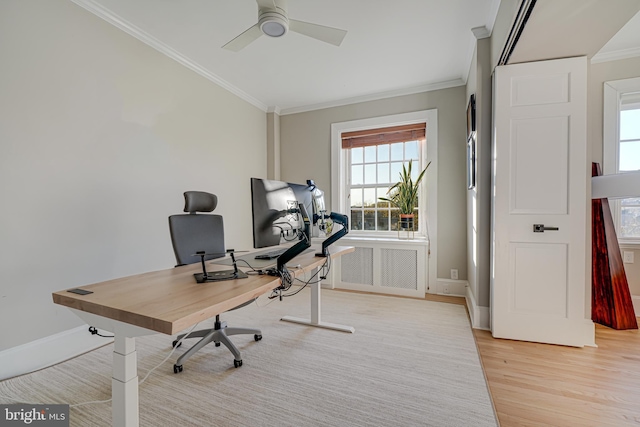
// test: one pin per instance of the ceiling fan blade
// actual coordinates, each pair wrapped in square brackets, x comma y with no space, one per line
[329,35]
[244,39]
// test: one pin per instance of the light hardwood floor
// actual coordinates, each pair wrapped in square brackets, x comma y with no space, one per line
[546,385]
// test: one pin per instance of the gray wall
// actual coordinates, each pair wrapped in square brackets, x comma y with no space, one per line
[479,198]
[306,150]
[100,135]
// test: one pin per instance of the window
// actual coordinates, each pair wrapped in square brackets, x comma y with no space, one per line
[367,158]
[622,150]
[375,158]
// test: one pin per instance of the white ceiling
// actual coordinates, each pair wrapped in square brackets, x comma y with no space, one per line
[625,44]
[392,47]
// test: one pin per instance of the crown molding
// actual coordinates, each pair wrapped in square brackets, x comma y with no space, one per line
[616,55]
[481,32]
[275,109]
[374,97]
[107,15]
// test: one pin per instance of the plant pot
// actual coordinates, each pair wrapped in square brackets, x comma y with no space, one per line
[406,222]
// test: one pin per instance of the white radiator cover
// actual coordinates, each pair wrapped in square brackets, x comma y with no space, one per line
[387,266]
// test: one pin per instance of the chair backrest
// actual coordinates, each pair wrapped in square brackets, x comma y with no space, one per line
[193,232]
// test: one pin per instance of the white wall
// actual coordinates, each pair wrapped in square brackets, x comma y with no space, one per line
[100,135]
[598,74]
[305,150]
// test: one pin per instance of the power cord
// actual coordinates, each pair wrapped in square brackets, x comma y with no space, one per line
[109,400]
[94,331]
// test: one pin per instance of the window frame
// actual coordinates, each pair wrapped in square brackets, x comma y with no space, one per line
[422,153]
[613,91]
[428,191]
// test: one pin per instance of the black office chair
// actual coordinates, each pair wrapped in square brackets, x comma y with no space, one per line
[191,233]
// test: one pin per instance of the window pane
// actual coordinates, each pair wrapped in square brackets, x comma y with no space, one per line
[369,197]
[370,174]
[383,153]
[370,154]
[411,150]
[396,169]
[395,215]
[630,222]
[356,155]
[356,174]
[356,220]
[630,124]
[383,173]
[629,156]
[383,220]
[415,170]
[356,197]
[382,192]
[631,202]
[396,151]
[369,219]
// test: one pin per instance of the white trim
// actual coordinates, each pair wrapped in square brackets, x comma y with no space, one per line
[480,316]
[431,179]
[102,12]
[375,96]
[275,109]
[616,55]
[48,351]
[456,288]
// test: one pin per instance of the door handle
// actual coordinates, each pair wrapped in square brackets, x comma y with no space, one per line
[540,228]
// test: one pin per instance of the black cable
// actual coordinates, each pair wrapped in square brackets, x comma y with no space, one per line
[327,264]
[94,331]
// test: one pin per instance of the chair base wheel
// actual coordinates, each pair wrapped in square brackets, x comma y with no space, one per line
[177,368]
[257,337]
[237,363]
[176,342]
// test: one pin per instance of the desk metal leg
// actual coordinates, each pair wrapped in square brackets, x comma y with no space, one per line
[316,314]
[124,383]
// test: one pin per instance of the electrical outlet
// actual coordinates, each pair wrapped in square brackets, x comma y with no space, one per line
[454,273]
[628,257]
[445,289]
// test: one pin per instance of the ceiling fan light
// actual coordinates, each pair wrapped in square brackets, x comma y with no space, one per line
[273,29]
[273,24]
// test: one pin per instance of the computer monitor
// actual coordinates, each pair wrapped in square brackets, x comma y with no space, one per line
[275,210]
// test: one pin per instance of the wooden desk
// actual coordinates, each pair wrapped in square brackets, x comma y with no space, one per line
[166,301]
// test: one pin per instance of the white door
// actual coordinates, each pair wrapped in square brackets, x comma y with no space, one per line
[539,279]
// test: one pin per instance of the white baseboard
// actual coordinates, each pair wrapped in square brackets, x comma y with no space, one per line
[48,351]
[457,288]
[480,316]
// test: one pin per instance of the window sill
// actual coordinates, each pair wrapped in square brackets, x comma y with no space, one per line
[633,245]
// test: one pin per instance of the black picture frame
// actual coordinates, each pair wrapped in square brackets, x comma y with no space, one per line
[471,116]
[471,161]
[471,142]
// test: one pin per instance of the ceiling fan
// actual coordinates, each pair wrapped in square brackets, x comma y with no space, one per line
[274,21]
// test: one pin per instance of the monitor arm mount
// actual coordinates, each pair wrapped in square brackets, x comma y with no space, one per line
[341,219]
[301,246]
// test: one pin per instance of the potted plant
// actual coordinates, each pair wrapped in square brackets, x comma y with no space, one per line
[404,195]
